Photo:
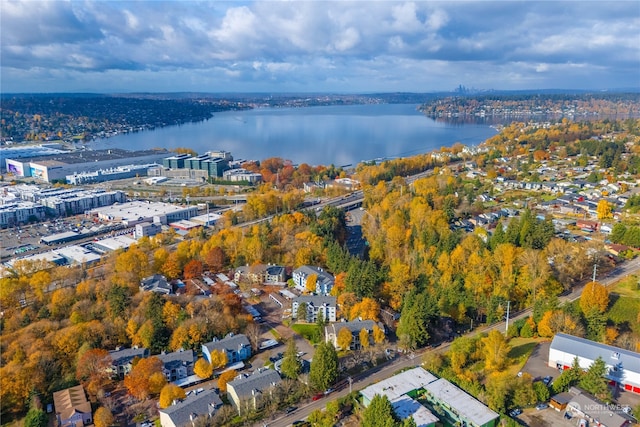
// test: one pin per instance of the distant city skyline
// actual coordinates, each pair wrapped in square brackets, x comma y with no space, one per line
[317,46]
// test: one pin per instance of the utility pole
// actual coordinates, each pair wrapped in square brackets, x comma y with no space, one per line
[506,328]
[595,269]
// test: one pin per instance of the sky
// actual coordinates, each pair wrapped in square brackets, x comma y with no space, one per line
[317,46]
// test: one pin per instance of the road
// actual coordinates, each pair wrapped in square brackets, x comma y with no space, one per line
[387,369]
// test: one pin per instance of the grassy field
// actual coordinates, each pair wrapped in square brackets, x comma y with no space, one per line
[310,332]
[625,303]
[521,349]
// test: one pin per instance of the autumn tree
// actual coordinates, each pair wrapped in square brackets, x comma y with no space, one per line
[169,393]
[103,417]
[139,382]
[36,417]
[495,348]
[202,368]
[367,309]
[378,334]
[193,269]
[594,295]
[344,338]
[218,359]
[225,378]
[310,284]
[364,338]
[92,370]
[604,210]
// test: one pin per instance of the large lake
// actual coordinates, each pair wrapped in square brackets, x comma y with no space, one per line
[339,135]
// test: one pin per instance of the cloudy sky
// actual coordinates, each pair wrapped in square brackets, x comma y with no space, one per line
[317,46]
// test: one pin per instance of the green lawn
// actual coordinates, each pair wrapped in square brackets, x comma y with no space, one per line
[521,349]
[310,331]
[624,303]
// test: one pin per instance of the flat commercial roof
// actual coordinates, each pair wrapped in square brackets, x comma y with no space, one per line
[78,254]
[465,405]
[133,211]
[115,243]
[406,407]
[60,237]
[400,384]
[591,350]
[85,156]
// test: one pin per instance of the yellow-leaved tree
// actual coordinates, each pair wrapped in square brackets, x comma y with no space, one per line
[310,285]
[594,295]
[203,369]
[344,338]
[103,417]
[364,338]
[169,393]
[378,334]
[495,348]
[226,377]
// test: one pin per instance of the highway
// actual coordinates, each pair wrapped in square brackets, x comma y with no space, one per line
[387,369]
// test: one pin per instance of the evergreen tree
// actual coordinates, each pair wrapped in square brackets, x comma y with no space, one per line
[290,364]
[324,366]
[594,381]
[36,418]
[379,413]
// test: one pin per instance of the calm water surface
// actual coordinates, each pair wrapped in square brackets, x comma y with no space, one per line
[339,135]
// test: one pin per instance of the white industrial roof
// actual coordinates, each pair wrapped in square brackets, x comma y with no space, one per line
[116,242]
[406,407]
[400,384]
[464,404]
[78,254]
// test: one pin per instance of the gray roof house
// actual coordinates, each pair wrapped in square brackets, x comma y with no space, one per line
[121,359]
[177,365]
[156,283]
[249,391]
[237,347]
[332,330]
[324,281]
[196,405]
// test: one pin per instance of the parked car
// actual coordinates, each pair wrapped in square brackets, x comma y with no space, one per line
[290,409]
[583,423]
[547,380]
[515,412]
[318,396]
[541,406]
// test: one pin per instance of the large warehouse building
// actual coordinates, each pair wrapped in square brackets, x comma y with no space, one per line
[56,167]
[623,365]
[137,212]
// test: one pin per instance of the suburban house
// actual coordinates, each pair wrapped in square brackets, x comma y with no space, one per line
[315,305]
[332,330]
[581,404]
[324,280]
[156,283]
[430,400]
[72,407]
[199,404]
[121,359]
[250,391]
[237,347]
[177,365]
[623,365]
